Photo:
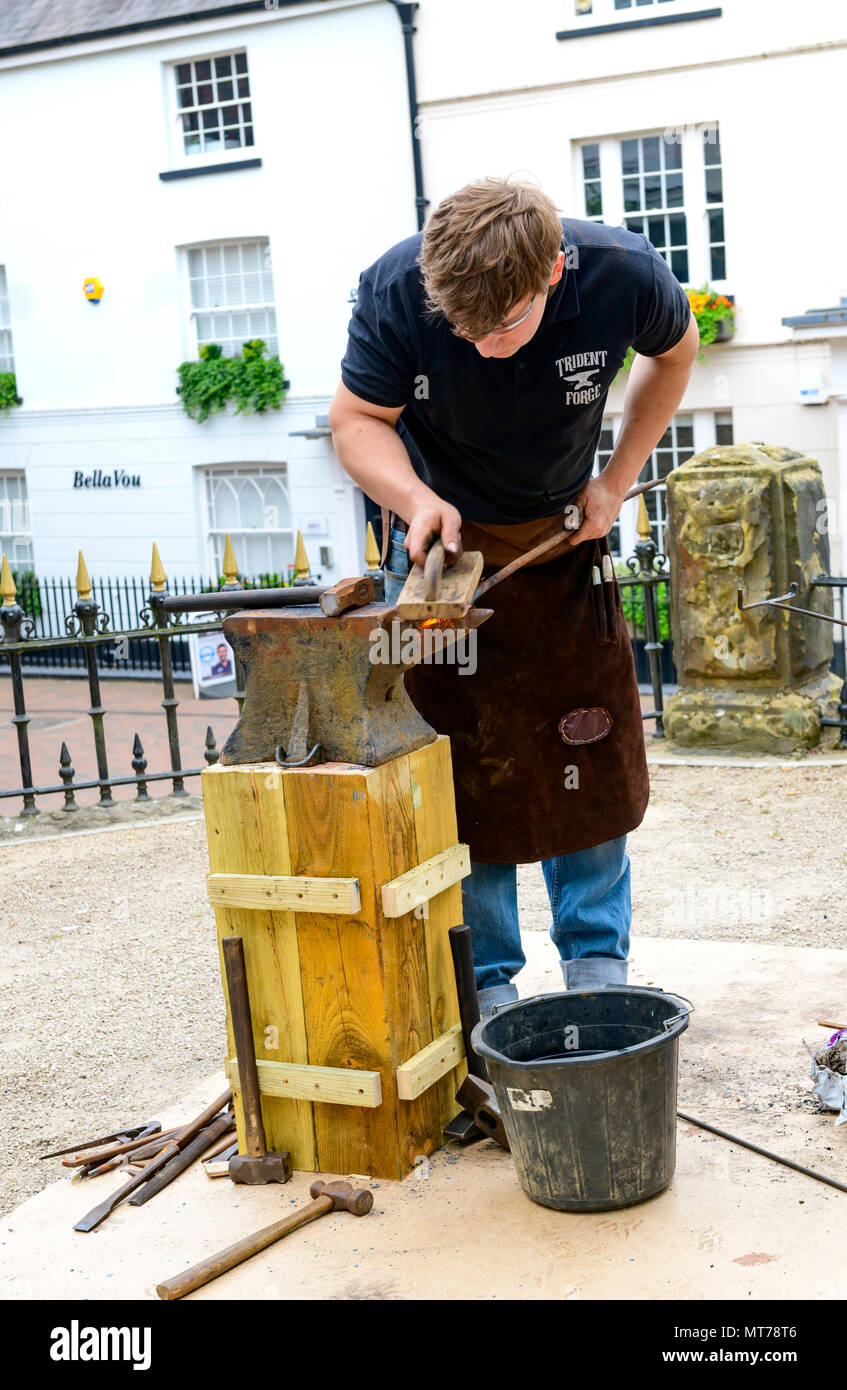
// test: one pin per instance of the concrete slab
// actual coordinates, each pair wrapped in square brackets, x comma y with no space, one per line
[732,1224]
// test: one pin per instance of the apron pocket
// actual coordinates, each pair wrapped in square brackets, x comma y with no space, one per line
[585,725]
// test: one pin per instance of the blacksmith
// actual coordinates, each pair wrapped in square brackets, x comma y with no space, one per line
[479,359]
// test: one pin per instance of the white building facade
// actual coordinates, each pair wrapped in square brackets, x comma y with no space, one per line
[710,127]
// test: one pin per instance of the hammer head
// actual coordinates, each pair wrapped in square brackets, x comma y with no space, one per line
[478,1097]
[344,1196]
[256,1171]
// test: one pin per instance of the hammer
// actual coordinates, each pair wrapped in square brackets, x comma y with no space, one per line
[257,1166]
[326,1196]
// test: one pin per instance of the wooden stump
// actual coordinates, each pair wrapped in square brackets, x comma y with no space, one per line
[343,992]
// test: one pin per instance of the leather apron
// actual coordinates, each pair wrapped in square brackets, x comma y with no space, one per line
[547,737]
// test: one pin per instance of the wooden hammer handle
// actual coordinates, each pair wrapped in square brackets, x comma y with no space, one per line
[433,570]
[245,1051]
[208,1269]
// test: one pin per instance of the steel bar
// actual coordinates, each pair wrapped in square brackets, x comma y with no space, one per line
[112,781]
[131,1131]
[222,600]
[20,719]
[765,1153]
[206,1139]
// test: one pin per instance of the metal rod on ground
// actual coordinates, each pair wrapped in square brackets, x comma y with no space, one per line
[207,1137]
[766,1153]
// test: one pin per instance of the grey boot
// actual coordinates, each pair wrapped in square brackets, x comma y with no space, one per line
[496,994]
[593,972]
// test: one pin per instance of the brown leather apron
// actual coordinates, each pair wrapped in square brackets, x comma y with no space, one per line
[546,735]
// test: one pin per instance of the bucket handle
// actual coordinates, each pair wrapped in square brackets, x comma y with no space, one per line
[677,1018]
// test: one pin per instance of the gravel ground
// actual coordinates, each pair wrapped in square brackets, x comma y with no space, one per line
[113,1001]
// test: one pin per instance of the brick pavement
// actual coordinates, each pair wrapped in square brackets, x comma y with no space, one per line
[58,710]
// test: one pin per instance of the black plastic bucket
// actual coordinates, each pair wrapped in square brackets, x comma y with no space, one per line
[586,1084]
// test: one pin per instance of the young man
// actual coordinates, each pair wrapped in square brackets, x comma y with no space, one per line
[479,358]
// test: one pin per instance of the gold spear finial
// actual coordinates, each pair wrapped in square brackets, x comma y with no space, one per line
[230,566]
[371,550]
[301,559]
[8,592]
[642,524]
[83,583]
[158,578]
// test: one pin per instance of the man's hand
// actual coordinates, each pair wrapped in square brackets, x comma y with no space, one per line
[429,521]
[599,502]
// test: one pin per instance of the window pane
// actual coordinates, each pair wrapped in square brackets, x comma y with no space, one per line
[223,67]
[716,224]
[241,62]
[191,121]
[591,161]
[629,156]
[243,87]
[250,256]
[685,436]
[635,224]
[230,114]
[673,191]
[210,119]
[677,230]
[656,230]
[718,259]
[653,191]
[679,264]
[673,154]
[204,95]
[185,96]
[650,146]
[203,70]
[593,200]
[183,73]
[714,186]
[723,430]
[631,195]
[225,91]
[248,135]
[711,145]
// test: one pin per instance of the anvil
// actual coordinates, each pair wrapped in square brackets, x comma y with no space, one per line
[322,689]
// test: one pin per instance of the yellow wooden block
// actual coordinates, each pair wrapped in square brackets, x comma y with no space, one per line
[418,885]
[431,1063]
[331,1085]
[329,895]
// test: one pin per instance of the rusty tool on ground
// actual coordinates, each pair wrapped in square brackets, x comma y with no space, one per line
[326,1197]
[476,1094]
[765,1153]
[93,1218]
[216,1165]
[825,1023]
[142,1141]
[208,1136]
[122,1136]
[257,1166]
[427,595]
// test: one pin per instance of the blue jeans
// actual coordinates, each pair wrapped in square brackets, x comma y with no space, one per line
[589,896]
[589,892]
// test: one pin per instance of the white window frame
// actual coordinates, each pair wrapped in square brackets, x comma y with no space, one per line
[178,157]
[7,359]
[705,426]
[216,533]
[694,204]
[15,520]
[193,341]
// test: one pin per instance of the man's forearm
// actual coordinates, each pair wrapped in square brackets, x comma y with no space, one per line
[375,457]
[653,393]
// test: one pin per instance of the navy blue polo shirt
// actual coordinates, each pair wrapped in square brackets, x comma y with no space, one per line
[512,439]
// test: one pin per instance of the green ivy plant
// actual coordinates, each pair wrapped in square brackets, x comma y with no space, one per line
[29,593]
[632,601]
[252,381]
[8,392]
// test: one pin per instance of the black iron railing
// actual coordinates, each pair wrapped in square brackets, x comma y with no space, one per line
[87,631]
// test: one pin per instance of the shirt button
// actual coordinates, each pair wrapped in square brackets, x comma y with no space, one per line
[521,366]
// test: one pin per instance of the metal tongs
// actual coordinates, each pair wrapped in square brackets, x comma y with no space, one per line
[780,601]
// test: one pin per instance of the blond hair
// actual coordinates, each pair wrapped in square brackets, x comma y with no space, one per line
[485,248]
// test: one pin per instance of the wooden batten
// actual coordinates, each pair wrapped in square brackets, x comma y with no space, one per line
[419,885]
[431,1063]
[325,895]
[330,1085]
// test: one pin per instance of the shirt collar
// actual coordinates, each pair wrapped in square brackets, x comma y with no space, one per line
[564,301]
